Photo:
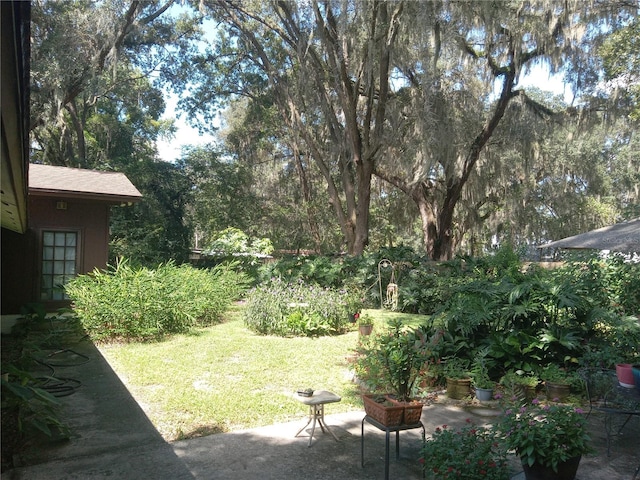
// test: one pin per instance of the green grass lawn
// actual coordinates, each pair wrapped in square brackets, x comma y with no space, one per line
[226,378]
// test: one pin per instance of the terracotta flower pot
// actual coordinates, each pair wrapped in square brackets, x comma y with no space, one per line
[412,410]
[625,375]
[392,412]
[412,413]
[529,392]
[365,329]
[386,412]
[525,392]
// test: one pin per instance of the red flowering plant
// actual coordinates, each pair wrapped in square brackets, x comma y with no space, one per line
[544,434]
[468,452]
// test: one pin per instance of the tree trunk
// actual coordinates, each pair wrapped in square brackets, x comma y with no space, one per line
[364,172]
[307,197]
[443,246]
[78,127]
[429,226]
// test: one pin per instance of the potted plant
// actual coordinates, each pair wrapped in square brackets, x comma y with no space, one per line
[365,324]
[391,363]
[550,439]
[481,381]
[557,382]
[520,384]
[483,386]
[635,369]
[624,371]
[456,372]
[468,452]
[383,409]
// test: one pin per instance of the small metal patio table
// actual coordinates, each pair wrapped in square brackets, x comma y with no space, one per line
[387,431]
[316,404]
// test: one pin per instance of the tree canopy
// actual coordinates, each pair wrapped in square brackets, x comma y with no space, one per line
[415,93]
[97,102]
[348,124]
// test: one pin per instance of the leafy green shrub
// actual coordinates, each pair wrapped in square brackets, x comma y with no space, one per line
[26,403]
[612,282]
[350,272]
[610,329]
[36,408]
[282,308]
[424,289]
[235,247]
[532,317]
[126,302]
[313,269]
[525,320]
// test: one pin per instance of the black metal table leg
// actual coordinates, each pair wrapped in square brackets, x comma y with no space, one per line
[362,444]
[386,456]
[387,430]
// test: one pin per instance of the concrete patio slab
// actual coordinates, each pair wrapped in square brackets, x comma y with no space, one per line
[113,439]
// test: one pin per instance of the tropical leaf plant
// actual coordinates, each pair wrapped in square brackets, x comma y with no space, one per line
[36,407]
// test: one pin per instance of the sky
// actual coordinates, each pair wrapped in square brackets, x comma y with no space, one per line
[540,77]
[170,150]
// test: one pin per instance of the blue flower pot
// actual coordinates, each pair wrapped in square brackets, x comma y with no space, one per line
[636,375]
[484,394]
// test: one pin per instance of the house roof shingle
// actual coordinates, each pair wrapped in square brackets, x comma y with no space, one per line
[76,182]
[621,237]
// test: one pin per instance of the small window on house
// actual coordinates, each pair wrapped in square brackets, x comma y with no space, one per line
[59,257]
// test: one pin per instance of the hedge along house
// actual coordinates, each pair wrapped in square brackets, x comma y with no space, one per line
[55,220]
